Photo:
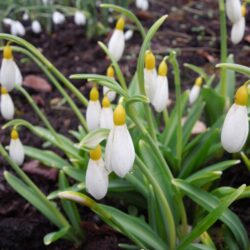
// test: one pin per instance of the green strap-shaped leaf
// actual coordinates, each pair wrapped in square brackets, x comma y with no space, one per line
[54,236]
[200,71]
[209,202]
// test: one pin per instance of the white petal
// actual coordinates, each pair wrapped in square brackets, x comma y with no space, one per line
[79,18]
[238,30]
[96,179]
[18,77]
[128,35]
[58,17]
[7,21]
[8,74]
[108,150]
[7,107]
[233,10]
[25,16]
[16,151]
[161,94]
[122,152]
[20,28]
[36,27]
[93,115]
[235,129]
[110,93]
[150,80]
[194,93]
[106,118]
[142,4]
[116,44]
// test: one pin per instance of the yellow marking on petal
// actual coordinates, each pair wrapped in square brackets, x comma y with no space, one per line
[149,60]
[14,135]
[4,91]
[198,81]
[105,102]
[94,94]
[119,115]
[96,153]
[7,52]
[244,9]
[241,96]
[120,24]
[110,71]
[163,68]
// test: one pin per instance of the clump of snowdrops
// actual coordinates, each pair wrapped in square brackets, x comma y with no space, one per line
[131,146]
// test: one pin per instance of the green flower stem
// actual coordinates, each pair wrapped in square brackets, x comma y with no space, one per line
[223,48]
[56,84]
[163,201]
[62,222]
[165,117]
[177,80]
[48,64]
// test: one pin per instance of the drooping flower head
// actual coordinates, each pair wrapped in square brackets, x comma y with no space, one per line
[116,43]
[36,27]
[195,91]
[120,152]
[16,150]
[93,110]
[106,117]
[10,73]
[150,75]
[96,175]
[106,91]
[79,18]
[6,105]
[162,92]
[236,127]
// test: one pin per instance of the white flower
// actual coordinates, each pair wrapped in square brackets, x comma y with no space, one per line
[161,94]
[238,30]
[79,18]
[116,43]
[7,105]
[96,175]
[58,17]
[120,152]
[233,10]
[150,76]
[36,27]
[142,4]
[7,21]
[128,35]
[17,28]
[195,91]
[106,91]
[106,117]
[93,110]
[10,73]
[16,150]
[235,128]
[25,16]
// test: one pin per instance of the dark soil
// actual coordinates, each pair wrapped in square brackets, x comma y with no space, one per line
[192,26]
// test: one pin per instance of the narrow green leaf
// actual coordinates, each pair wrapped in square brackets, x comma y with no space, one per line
[200,71]
[235,67]
[52,237]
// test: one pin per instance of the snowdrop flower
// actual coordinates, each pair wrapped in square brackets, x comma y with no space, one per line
[10,73]
[150,76]
[106,117]
[106,91]
[235,128]
[93,110]
[120,152]
[7,21]
[142,4]
[128,35]
[58,17]
[161,93]
[79,18]
[6,105]
[96,175]
[25,16]
[16,150]
[17,28]
[236,13]
[36,27]
[195,91]
[116,43]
